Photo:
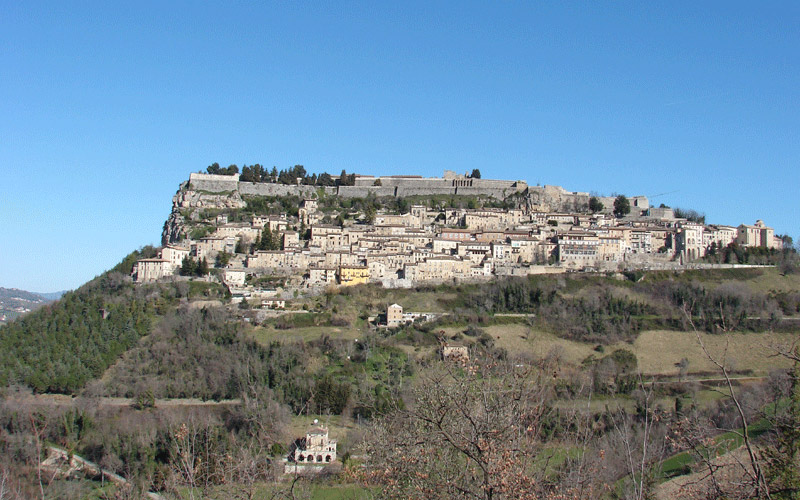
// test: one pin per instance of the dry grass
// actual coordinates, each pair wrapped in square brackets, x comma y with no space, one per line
[425,301]
[772,279]
[698,485]
[265,335]
[338,426]
[658,351]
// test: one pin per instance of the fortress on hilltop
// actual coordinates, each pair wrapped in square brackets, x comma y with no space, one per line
[554,198]
[392,185]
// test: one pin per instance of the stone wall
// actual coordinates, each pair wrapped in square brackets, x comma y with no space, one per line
[547,198]
[556,199]
[213,183]
[404,191]
[431,186]
[638,204]
[269,189]
[364,191]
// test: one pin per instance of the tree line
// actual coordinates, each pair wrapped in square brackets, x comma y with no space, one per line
[290,176]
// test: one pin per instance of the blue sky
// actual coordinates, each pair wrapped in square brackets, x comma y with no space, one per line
[105,109]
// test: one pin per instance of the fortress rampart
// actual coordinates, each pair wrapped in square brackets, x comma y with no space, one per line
[537,197]
[269,189]
[214,183]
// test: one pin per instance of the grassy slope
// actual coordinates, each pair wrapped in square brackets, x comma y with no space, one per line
[657,351]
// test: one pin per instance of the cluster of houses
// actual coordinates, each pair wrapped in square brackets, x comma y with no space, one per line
[430,245]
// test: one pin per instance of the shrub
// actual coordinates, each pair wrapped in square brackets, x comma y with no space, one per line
[144,400]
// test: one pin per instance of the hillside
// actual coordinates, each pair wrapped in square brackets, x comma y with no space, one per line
[529,378]
[14,302]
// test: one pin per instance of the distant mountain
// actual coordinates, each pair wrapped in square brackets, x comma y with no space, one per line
[52,295]
[15,302]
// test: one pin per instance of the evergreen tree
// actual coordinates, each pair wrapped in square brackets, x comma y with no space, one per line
[188,266]
[223,258]
[202,267]
[595,205]
[369,214]
[265,241]
[247,174]
[268,240]
[622,206]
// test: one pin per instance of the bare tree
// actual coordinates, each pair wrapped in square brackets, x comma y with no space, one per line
[7,489]
[184,458]
[38,422]
[637,440]
[783,455]
[473,432]
[247,467]
[753,467]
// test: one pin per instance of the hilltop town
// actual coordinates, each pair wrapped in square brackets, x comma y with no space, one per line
[246,318]
[293,236]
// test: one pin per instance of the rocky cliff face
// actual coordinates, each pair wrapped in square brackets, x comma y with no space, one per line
[553,199]
[187,204]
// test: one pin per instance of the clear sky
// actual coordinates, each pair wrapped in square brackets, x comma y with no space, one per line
[105,109]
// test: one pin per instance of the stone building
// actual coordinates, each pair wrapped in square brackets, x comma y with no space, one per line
[234,277]
[641,241]
[353,275]
[578,249]
[320,276]
[175,255]
[149,270]
[689,240]
[720,236]
[757,235]
[316,447]
[307,213]
[394,315]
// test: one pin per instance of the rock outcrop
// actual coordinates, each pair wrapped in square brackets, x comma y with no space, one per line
[188,203]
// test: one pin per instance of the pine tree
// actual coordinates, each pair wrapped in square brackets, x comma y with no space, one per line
[188,266]
[202,268]
[268,240]
[622,206]
[595,205]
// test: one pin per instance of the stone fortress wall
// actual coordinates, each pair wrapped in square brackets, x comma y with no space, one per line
[269,189]
[637,203]
[364,186]
[213,183]
[450,184]
[546,198]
